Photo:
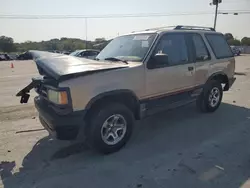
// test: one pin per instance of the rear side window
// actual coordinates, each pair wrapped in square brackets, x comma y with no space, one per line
[201,52]
[219,46]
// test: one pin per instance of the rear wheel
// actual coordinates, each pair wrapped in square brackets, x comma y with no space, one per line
[110,127]
[210,98]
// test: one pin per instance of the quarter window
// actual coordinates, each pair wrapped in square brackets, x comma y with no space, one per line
[219,46]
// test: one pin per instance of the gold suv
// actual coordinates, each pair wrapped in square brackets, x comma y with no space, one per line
[134,76]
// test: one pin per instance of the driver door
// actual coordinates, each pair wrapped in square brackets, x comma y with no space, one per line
[174,76]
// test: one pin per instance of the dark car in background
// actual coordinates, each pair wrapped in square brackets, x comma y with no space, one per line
[89,54]
[5,57]
[2,57]
[24,56]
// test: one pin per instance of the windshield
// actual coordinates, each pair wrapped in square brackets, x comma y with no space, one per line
[130,47]
[74,53]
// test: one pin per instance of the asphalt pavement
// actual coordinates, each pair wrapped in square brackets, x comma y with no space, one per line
[181,148]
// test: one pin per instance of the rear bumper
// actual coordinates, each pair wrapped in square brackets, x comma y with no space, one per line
[63,127]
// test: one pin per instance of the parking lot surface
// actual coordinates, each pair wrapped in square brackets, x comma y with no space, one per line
[174,149]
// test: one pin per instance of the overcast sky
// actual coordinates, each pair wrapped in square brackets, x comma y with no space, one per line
[37,30]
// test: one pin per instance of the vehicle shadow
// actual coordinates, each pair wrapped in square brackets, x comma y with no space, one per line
[166,133]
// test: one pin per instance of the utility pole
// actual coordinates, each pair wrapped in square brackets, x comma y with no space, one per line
[216,3]
[86,33]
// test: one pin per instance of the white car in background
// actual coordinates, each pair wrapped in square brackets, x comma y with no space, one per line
[89,54]
[236,50]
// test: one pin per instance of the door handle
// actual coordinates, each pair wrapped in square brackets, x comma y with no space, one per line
[190,68]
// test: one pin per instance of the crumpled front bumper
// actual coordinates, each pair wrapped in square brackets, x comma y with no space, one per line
[63,127]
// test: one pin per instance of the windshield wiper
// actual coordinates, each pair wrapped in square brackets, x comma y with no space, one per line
[115,59]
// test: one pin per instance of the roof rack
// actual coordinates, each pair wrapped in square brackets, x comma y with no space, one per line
[156,28]
[179,27]
[185,27]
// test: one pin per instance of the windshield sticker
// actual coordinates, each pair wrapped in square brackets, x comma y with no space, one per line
[141,37]
[144,44]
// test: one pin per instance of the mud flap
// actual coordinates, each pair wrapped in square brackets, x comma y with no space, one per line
[24,98]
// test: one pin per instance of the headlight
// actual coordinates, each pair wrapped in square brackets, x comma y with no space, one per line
[58,97]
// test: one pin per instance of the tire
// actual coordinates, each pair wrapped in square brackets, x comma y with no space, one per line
[203,102]
[97,127]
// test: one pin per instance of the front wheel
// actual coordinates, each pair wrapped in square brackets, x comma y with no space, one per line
[110,127]
[210,98]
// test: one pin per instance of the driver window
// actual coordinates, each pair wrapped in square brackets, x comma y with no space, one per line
[174,46]
[83,54]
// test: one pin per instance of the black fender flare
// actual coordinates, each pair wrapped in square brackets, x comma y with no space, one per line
[211,77]
[220,73]
[112,93]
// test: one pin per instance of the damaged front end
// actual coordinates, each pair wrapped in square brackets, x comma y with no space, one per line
[54,103]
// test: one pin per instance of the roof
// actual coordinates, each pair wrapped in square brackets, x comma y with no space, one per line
[177,28]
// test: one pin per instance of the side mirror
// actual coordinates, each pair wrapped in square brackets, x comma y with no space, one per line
[160,59]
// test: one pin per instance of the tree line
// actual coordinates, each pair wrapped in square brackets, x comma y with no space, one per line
[245,41]
[7,44]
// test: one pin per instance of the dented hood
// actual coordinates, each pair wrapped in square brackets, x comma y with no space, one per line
[63,67]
